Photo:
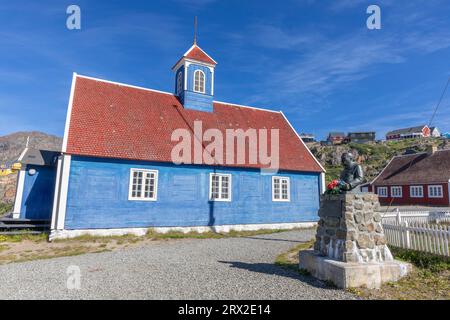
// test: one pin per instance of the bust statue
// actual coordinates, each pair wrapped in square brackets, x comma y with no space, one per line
[352,175]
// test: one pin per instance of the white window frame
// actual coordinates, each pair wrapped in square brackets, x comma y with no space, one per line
[418,193]
[288,180]
[230,186]
[130,186]
[439,187]
[384,194]
[393,195]
[200,84]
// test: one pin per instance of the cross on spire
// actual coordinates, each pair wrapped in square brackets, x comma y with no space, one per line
[195,30]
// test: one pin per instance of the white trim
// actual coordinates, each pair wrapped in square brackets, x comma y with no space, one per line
[168,93]
[69,113]
[186,66]
[124,85]
[244,106]
[184,61]
[130,185]
[57,193]
[298,136]
[62,206]
[19,194]
[377,191]
[212,81]
[288,189]
[204,82]
[411,188]
[192,47]
[22,155]
[448,189]
[439,186]
[230,186]
[322,183]
[400,195]
[67,234]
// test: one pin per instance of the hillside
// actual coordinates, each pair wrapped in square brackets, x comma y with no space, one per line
[10,148]
[372,156]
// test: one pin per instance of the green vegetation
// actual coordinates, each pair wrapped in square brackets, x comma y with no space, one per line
[430,278]
[289,260]
[423,260]
[372,156]
[209,235]
[5,208]
[21,237]
[24,247]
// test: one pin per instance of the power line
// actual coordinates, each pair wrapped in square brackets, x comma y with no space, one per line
[439,103]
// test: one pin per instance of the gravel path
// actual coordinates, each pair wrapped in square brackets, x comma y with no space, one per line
[232,268]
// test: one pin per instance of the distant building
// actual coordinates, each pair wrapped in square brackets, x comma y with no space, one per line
[434,132]
[446,135]
[408,133]
[415,179]
[361,137]
[336,137]
[307,137]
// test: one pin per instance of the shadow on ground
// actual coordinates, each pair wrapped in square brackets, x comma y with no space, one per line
[272,269]
[274,239]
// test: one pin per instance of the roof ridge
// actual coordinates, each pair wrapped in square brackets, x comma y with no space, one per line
[198,47]
[165,92]
[124,84]
[245,106]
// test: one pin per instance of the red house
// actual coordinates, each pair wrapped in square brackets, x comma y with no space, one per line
[336,137]
[409,133]
[415,179]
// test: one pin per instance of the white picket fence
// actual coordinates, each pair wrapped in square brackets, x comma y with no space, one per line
[426,231]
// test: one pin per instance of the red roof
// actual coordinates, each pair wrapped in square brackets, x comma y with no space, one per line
[125,122]
[418,168]
[196,53]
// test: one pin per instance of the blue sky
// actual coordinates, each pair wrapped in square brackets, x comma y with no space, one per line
[315,60]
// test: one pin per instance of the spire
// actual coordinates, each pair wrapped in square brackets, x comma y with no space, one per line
[195,30]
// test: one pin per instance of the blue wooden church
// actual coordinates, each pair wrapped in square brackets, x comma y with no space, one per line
[116,172]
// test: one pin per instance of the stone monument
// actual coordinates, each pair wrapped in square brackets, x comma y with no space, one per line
[350,247]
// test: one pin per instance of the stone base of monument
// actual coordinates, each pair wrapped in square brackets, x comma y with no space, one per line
[352,274]
[350,248]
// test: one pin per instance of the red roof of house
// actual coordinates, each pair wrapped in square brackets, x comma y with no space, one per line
[119,121]
[418,168]
[196,53]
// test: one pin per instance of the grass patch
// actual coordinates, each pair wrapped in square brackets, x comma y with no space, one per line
[5,208]
[430,279]
[289,259]
[20,248]
[152,234]
[21,237]
[423,260]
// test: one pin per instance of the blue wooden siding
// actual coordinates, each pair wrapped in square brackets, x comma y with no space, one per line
[190,80]
[98,197]
[194,100]
[38,191]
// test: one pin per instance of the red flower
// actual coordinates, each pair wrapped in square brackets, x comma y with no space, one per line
[333,184]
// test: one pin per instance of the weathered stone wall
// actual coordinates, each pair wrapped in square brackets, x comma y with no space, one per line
[350,228]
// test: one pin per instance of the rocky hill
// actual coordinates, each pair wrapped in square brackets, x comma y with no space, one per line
[372,156]
[10,148]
